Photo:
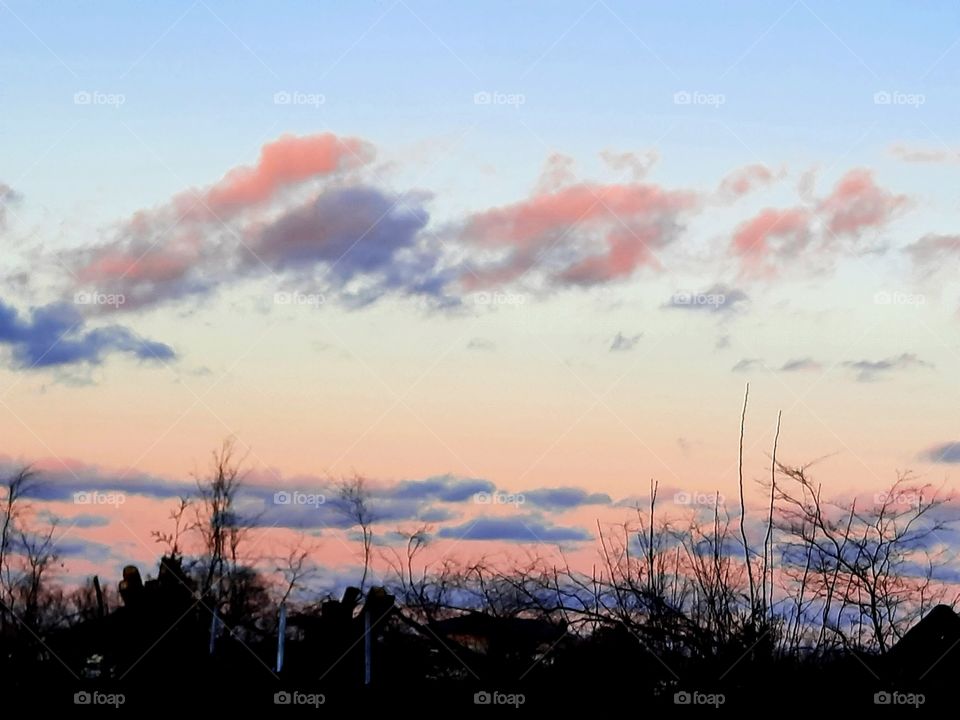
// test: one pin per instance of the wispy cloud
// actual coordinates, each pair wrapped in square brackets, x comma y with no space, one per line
[623,343]
[868,370]
[8,197]
[806,364]
[745,180]
[717,298]
[748,364]
[924,155]
[948,452]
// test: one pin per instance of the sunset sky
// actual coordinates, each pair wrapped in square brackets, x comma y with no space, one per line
[531,248]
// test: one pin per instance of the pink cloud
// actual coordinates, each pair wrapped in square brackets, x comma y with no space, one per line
[286,161]
[565,227]
[744,180]
[173,250]
[150,266]
[626,251]
[854,206]
[857,203]
[773,231]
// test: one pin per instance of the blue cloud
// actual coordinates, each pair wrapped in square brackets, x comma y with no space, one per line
[525,528]
[565,498]
[943,453]
[60,485]
[356,232]
[445,488]
[87,521]
[55,334]
[86,549]
[437,514]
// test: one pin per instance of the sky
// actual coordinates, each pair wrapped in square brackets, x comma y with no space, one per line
[534,250]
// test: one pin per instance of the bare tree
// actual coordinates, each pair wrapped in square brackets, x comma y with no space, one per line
[296,567]
[748,561]
[220,527]
[353,496]
[865,568]
[39,555]
[413,587]
[172,539]
[14,488]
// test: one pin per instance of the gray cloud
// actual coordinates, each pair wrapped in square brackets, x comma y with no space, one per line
[718,298]
[868,370]
[801,365]
[948,452]
[747,364]
[623,343]
[8,197]
[481,344]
